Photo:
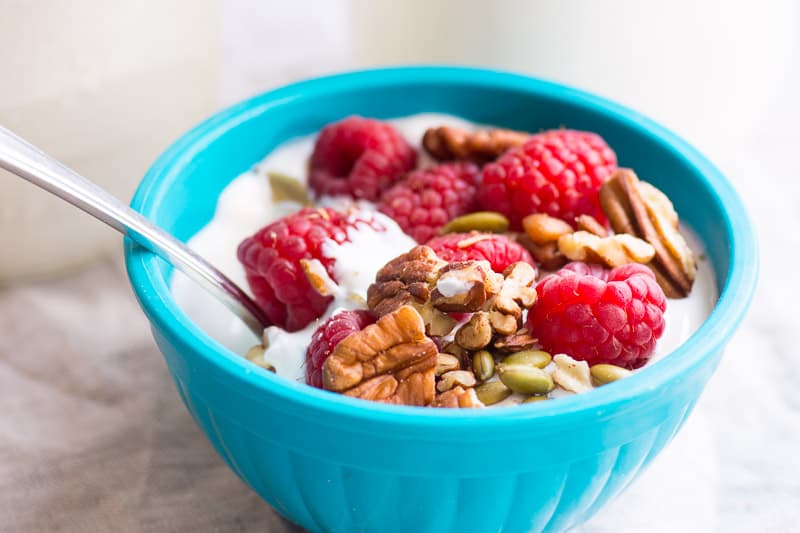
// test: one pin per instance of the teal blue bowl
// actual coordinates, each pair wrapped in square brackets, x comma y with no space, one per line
[332,463]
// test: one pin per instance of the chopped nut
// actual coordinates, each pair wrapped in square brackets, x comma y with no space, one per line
[256,356]
[472,239]
[571,374]
[613,251]
[437,323]
[521,340]
[390,361]
[454,349]
[446,143]
[643,211]
[517,293]
[407,280]
[464,287]
[590,224]
[435,288]
[476,333]
[542,228]
[464,378]
[446,362]
[547,255]
[457,397]
[318,277]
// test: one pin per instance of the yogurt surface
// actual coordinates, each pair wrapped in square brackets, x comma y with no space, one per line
[246,205]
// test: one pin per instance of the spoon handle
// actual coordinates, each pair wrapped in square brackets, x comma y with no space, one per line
[32,164]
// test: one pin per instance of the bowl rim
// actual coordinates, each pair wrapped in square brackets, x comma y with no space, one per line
[152,289]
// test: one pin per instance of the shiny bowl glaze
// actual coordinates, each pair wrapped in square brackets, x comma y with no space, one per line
[332,463]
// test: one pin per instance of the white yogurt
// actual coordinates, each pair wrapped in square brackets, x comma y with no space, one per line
[245,206]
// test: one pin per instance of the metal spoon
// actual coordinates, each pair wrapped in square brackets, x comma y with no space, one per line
[30,163]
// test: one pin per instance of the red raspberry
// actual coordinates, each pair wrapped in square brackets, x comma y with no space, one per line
[557,172]
[328,335]
[271,259]
[427,199]
[600,316]
[359,157]
[498,249]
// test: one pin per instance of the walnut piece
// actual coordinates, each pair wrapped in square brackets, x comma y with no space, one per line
[391,361]
[643,211]
[457,397]
[613,251]
[435,288]
[464,287]
[502,313]
[407,280]
[446,142]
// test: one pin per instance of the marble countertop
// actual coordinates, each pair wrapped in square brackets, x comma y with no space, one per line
[93,436]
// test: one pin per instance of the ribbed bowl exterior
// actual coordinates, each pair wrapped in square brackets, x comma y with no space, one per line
[323,487]
[332,463]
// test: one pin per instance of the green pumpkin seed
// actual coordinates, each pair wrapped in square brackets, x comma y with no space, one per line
[525,379]
[285,187]
[483,365]
[537,358]
[492,393]
[487,221]
[534,399]
[604,373]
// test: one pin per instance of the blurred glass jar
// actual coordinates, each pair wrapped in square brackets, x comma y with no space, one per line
[708,69]
[103,86]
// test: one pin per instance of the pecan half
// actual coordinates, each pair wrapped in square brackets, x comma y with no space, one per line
[457,397]
[391,361]
[480,146]
[645,212]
